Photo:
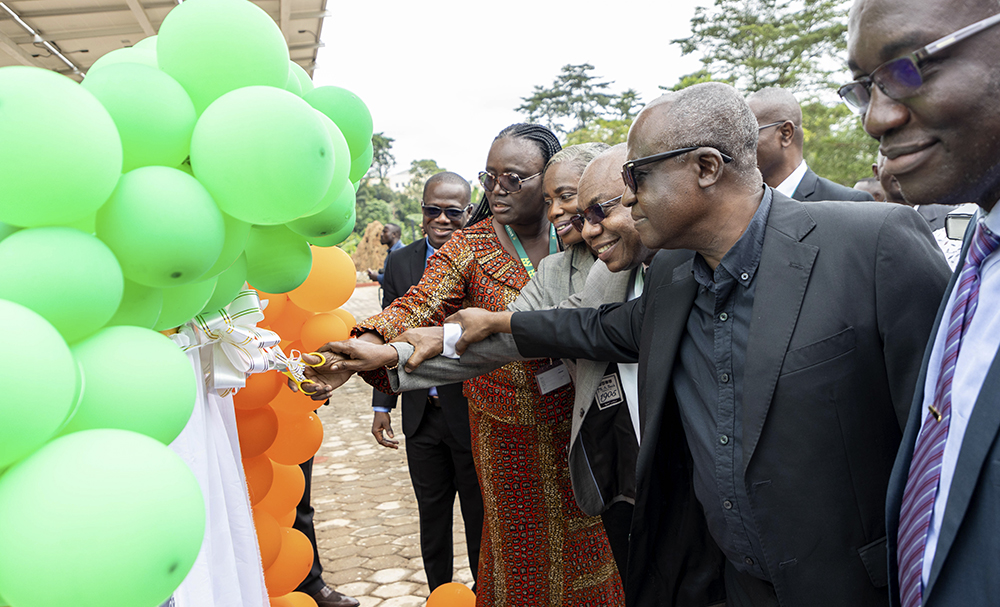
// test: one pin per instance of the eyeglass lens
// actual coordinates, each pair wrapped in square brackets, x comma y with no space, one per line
[432,212]
[510,182]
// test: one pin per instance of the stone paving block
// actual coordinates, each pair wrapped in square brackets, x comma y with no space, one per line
[389,562]
[396,589]
[375,540]
[403,601]
[375,551]
[389,576]
[419,577]
[345,576]
[356,589]
[349,562]
[369,601]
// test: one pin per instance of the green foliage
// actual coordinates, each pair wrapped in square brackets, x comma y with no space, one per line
[836,146]
[754,44]
[702,75]
[350,245]
[576,100]
[382,159]
[610,132]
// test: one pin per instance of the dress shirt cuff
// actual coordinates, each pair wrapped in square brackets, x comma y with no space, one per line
[452,333]
[381,409]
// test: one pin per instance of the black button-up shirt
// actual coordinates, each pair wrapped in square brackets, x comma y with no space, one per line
[708,382]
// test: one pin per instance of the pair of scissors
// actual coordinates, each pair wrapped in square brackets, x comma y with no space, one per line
[295,373]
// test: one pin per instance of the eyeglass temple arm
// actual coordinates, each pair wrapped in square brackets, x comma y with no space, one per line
[965,32]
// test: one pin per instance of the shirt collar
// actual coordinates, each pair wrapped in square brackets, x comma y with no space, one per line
[990,220]
[742,260]
[430,249]
[791,183]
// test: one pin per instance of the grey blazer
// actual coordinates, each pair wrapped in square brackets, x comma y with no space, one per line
[964,567]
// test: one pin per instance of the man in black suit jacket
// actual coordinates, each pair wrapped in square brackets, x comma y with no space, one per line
[778,348]
[779,150]
[435,421]
[942,144]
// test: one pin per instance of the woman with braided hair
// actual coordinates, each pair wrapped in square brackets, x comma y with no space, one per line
[538,548]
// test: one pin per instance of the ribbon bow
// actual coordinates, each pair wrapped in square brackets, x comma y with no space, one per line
[239,347]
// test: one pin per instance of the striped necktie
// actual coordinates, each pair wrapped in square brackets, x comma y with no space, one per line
[925,466]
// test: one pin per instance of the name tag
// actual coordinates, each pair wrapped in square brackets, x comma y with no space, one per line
[609,392]
[552,377]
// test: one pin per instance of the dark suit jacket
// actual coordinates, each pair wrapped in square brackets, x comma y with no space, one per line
[403,269]
[964,571]
[845,298]
[813,188]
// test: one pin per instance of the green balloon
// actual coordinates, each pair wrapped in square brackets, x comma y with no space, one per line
[181,304]
[264,155]
[228,286]
[29,416]
[117,359]
[140,306]
[154,116]
[349,113]
[87,225]
[122,507]
[361,164]
[62,156]
[356,184]
[236,238]
[163,226]
[147,42]
[6,230]
[337,237]
[292,84]
[142,56]
[305,82]
[329,220]
[213,47]
[72,279]
[341,163]
[278,260]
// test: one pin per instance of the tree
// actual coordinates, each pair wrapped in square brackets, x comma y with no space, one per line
[754,44]
[576,99]
[836,146]
[382,158]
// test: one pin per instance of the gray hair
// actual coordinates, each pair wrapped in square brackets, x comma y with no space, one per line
[715,115]
[577,155]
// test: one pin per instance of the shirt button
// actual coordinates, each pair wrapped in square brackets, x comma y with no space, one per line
[728,505]
[725,378]
[723,317]
[744,276]
[582,413]
[748,561]
[724,439]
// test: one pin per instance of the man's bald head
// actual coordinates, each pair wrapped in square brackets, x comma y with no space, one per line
[779,133]
[602,176]
[775,104]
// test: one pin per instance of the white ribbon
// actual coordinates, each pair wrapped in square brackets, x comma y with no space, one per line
[239,347]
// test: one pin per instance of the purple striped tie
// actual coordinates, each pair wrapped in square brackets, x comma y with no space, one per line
[925,467]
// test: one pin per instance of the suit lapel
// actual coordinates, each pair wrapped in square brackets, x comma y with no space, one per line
[418,261]
[807,186]
[785,267]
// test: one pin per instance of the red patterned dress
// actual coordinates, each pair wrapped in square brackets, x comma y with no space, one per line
[538,548]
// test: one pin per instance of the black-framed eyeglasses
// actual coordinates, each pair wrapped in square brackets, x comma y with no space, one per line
[510,182]
[432,212]
[594,214]
[901,78]
[628,169]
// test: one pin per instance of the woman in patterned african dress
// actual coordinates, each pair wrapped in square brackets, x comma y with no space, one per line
[538,548]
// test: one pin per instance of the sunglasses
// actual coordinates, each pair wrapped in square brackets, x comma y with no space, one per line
[594,214]
[901,78]
[433,212]
[509,182]
[628,169]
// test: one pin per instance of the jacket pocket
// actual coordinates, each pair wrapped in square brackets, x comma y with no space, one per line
[819,351]
[875,556]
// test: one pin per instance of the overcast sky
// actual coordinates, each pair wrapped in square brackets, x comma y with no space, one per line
[443,77]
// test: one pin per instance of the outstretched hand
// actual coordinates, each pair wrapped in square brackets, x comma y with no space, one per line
[353,355]
[478,324]
[427,342]
[321,380]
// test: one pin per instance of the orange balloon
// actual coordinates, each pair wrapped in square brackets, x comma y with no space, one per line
[345,316]
[292,565]
[295,599]
[275,306]
[330,282]
[289,325]
[260,474]
[299,437]
[261,389]
[294,402]
[286,491]
[268,537]
[451,594]
[322,328]
[288,519]
[257,429]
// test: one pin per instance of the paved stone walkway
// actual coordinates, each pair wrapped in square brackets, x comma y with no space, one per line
[366,514]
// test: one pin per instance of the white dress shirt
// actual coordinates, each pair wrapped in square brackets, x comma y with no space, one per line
[979,347]
[629,372]
[789,185]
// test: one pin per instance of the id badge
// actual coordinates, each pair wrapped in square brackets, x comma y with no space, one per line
[552,377]
[609,392]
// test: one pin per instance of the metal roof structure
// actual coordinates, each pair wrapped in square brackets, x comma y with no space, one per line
[68,36]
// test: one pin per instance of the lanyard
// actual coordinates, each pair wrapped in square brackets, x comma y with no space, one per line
[525,260]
